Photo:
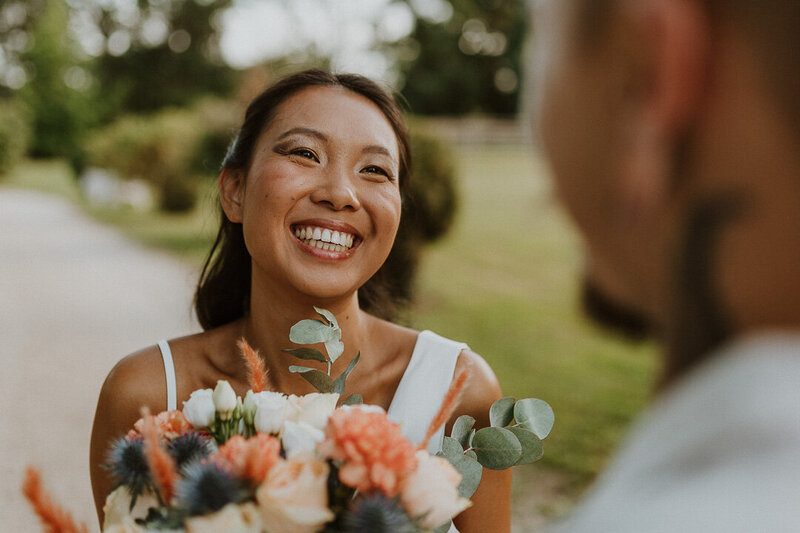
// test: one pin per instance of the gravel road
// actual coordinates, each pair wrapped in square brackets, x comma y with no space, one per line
[75,297]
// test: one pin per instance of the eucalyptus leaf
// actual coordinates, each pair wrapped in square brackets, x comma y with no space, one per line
[335,349]
[451,447]
[327,315]
[339,382]
[321,381]
[308,354]
[353,399]
[497,448]
[532,449]
[472,454]
[502,412]
[461,429]
[469,439]
[311,332]
[471,472]
[534,415]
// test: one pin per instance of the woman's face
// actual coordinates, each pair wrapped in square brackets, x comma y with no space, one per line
[320,204]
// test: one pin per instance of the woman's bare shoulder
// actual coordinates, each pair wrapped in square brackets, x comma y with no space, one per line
[136,380]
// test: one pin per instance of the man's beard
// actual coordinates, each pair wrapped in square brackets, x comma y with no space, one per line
[608,313]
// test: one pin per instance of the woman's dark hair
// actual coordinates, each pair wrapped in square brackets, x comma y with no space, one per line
[223,292]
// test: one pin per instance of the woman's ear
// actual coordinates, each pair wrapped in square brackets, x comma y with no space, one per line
[674,55]
[231,193]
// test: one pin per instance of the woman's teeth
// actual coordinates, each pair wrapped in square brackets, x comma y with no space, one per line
[325,239]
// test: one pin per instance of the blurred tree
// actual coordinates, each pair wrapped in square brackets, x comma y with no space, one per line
[464,61]
[161,53]
[54,89]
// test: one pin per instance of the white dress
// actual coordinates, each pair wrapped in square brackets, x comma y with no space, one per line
[417,399]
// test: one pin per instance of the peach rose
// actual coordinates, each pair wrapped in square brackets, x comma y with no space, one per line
[117,509]
[250,458]
[170,424]
[294,497]
[314,408]
[232,518]
[371,449]
[431,491]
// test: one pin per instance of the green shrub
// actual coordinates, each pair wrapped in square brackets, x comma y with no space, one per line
[15,134]
[429,208]
[169,149]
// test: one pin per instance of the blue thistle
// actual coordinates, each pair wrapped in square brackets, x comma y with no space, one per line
[377,514]
[189,447]
[206,487]
[127,466]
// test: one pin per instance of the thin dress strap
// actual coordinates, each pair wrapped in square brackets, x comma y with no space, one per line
[169,373]
[424,385]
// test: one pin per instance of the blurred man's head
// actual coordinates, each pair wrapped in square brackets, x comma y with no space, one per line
[672,128]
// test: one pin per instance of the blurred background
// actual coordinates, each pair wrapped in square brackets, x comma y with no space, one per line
[114,117]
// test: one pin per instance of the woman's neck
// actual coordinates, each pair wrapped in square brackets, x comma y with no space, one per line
[266,328]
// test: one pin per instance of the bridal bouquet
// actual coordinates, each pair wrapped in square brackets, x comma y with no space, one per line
[301,464]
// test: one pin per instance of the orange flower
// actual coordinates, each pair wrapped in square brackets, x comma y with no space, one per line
[251,458]
[170,424]
[372,449]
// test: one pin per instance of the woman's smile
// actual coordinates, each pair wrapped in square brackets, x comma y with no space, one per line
[326,239]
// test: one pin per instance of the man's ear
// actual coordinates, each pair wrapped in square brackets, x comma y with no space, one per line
[231,193]
[675,39]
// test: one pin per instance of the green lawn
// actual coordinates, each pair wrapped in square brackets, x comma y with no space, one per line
[504,280]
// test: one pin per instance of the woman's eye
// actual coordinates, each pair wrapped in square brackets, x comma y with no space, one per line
[306,153]
[372,169]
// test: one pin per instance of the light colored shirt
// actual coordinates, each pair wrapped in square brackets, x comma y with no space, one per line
[717,452]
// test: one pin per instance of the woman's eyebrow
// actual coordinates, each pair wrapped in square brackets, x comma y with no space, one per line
[304,131]
[377,149]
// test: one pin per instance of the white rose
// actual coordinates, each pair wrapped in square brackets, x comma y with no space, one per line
[117,509]
[314,408]
[232,518]
[199,408]
[431,491]
[224,399]
[300,437]
[128,525]
[367,408]
[270,411]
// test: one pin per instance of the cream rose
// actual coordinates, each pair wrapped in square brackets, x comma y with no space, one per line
[118,507]
[431,491]
[300,437]
[314,408]
[199,409]
[294,497]
[270,411]
[126,526]
[232,518]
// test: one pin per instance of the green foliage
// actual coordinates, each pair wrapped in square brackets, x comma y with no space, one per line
[167,149]
[534,415]
[60,114]
[14,134]
[468,63]
[152,76]
[429,208]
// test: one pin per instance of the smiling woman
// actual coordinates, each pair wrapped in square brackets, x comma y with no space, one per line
[310,197]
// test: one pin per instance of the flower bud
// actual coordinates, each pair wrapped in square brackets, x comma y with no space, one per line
[224,399]
[249,408]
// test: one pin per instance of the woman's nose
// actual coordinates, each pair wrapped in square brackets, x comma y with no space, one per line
[336,190]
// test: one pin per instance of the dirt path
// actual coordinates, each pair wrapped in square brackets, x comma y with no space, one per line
[74,298]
